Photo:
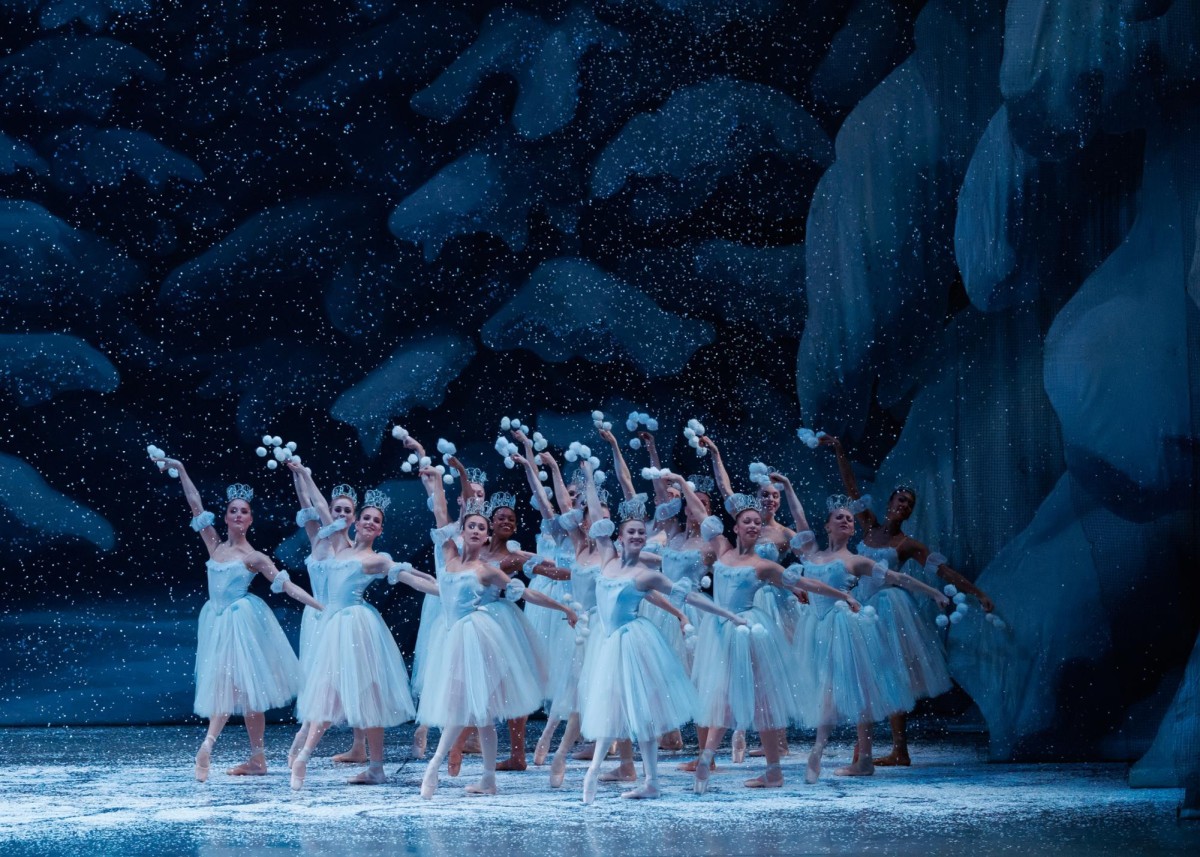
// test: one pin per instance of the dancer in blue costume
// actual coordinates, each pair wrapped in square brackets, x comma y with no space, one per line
[484,671]
[745,677]
[323,544]
[634,687]
[841,673]
[357,675]
[244,662]
[885,541]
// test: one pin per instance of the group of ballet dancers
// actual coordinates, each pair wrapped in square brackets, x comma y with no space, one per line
[617,638]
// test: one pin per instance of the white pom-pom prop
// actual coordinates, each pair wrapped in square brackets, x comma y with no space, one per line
[955,617]
[268,440]
[950,589]
[706,582]
[597,416]
[599,477]
[173,473]
[543,476]
[399,432]
[962,607]
[509,463]
[291,446]
[635,443]
[447,478]
[162,464]
[942,620]
[505,424]
[594,461]
[425,461]
[406,467]
[277,440]
[261,452]
[272,464]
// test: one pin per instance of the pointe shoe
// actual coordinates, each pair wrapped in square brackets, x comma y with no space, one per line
[511,764]
[300,770]
[647,792]
[558,772]
[418,743]
[738,747]
[619,775]
[203,759]
[690,767]
[812,772]
[703,770]
[893,759]
[541,751]
[372,776]
[356,755]
[771,779]
[454,762]
[251,768]
[590,784]
[429,782]
[485,786]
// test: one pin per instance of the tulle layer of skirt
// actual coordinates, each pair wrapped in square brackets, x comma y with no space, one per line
[244,661]
[915,643]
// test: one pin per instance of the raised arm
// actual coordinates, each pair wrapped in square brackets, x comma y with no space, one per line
[720,474]
[619,465]
[794,504]
[545,507]
[596,515]
[192,496]
[849,482]
[307,514]
[560,488]
[261,563]
[314,493]
[647,439]
[432,480]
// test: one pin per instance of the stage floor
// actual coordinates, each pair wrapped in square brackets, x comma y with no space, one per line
[130,791]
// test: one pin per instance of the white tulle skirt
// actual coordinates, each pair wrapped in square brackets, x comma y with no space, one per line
[557,637]
[357,675]
[309,629]
[566,674]
[429,638]
[843,673]
[244,661]
[782,606]
[916,646]
[744,674]
[634,686]
[486,669]
[668,626]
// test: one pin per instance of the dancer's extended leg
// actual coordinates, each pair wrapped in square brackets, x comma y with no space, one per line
[256,765]
[649,789]
[558,767]
[487,748]
[373,775]
[592,778]
[429,783]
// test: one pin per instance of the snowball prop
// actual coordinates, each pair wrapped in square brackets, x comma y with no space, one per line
[693,432]
[637,418]
[400,433]
[276,452]
[810,438]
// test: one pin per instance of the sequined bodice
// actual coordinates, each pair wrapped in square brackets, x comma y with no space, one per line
[462,593]
[318,578]
[868,586]
[583,585]
[833,573]
[734,586]
[680,564]
[227,582]
[345,584]
[617,601]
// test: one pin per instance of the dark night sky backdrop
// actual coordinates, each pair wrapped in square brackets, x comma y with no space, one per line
[960,234]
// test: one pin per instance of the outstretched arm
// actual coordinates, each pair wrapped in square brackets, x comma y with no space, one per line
[596,515]
[720,474]
[433,485]
[660,490]
[560,488]
[792,580]
[659,582]
[913,549]
[541,599]
[262,564]
[619,465]
[794,504]
[207,533]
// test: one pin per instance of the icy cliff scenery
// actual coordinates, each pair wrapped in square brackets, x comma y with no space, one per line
[961,235]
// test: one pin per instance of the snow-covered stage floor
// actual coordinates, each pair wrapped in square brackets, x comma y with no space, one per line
[130,791]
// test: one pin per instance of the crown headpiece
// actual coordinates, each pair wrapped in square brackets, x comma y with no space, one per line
[579,479]
[475,506]
[703,483]
[344,490]
[238,491]
[633,509]
[602,493]
[501,500]
[378,499]
[839,501]
[477,475]
[735,504]
[904,486]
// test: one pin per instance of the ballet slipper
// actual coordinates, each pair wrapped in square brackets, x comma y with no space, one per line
[812,772]
[703,770]
[690,767]
[204,759]
[454,762]
[558,772]
[300,770]
[647,792]
[251,768]
[418,742]
[485,786]
[429,782]
[372,776]
[590,781]
[894,759]
[738,747]
[511,764]
[585,752]
[771,779]
[619,775]
[856,770]
[356,755]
